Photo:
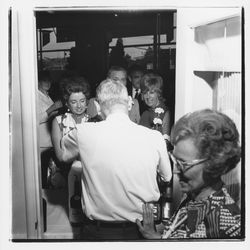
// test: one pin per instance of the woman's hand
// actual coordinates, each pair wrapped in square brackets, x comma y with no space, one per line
[147,228]
[57,105]
[53,109]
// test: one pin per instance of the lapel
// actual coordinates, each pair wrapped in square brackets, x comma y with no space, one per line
[129,88]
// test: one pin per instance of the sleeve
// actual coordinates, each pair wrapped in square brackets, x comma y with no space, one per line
[230,225]
[43,116]
[166,124]
[224,221]
[137,111]
[164,166]
[134,113]
[69,146]
[91,109]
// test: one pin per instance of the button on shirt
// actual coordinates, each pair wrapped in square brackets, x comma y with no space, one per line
[120,160]
[135,93]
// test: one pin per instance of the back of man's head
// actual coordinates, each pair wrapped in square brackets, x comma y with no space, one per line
[112,96]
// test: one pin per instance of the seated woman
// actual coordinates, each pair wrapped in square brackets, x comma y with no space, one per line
[76,93]
[47,110]
[206,146]
[157,115]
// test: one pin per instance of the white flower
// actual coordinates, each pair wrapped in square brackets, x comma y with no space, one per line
[159,110]
[166,137]
[68,121]
[157,121]
[130,102]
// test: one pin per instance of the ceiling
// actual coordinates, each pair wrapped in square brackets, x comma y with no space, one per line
[119,23]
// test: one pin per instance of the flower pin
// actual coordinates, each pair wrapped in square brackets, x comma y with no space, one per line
[159,110]
[157,121]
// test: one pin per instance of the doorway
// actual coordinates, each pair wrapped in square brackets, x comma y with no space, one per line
[81,42]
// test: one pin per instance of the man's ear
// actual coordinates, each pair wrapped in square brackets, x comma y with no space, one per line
[130,103]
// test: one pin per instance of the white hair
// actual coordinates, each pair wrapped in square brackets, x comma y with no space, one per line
[111,94]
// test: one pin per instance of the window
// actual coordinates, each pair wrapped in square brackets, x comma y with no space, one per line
[53,48]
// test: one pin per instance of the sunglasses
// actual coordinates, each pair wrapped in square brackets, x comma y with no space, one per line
[183,166]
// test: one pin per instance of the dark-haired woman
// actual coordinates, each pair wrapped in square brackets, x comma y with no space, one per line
[206,146]
[76,93]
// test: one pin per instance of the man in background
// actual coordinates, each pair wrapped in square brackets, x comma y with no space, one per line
[117,74]
[135,74]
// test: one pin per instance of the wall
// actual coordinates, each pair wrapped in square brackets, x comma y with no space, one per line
[192,90]
[186,85]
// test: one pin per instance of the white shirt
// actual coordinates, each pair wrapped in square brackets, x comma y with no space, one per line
[44,103]
[134,92]
[120,160]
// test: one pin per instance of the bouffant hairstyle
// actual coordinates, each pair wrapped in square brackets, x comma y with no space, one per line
[74,84]
[216,138]
[152,82]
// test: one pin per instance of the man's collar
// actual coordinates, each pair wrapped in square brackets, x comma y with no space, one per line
[117,116]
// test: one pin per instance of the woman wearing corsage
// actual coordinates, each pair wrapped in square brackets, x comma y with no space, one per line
[157,115]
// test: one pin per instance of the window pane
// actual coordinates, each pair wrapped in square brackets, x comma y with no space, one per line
[56,53]
[134,40]
[49,41]
[55,60]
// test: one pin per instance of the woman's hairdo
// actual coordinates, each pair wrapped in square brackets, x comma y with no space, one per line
[74,84]
[110,93]
[215,136]
[44,75]
[152,82]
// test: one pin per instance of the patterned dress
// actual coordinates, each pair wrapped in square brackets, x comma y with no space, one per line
[217,217]
[67,123]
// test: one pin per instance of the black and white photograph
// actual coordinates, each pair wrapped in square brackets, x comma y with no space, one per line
[124,124]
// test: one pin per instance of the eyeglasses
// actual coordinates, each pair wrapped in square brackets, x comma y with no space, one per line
[183,166]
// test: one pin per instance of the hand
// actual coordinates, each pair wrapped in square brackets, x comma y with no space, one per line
[147,228]
[57,105]
[53,109]
[53,113]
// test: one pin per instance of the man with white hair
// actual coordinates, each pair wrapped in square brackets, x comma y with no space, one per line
[120,161]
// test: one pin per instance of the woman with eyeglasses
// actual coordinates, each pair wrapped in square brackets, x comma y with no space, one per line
[206,146]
